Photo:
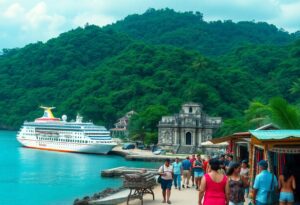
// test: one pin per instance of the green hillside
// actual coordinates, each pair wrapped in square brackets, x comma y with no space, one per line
[189,30]
[161,58]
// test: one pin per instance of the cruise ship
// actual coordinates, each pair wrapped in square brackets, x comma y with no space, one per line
[51,133]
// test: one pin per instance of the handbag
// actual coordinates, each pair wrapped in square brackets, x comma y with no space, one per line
[273,196]
[159,177]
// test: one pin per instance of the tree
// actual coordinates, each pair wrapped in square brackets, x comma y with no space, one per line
[295,89]
[278,112]
[143,126]
[283,114]
[258,114]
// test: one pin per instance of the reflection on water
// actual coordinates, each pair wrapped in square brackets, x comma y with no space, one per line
[31,176]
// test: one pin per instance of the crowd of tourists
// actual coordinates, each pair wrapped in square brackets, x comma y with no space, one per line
[222,181]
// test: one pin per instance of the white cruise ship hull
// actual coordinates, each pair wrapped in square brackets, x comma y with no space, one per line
[67,146]
[51,133]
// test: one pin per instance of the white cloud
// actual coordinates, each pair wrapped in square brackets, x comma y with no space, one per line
[13,11]
[21,24]
[25,21]
[38,18]
[36,15]
[290,16]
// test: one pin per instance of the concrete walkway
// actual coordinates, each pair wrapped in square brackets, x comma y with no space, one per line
[185,196]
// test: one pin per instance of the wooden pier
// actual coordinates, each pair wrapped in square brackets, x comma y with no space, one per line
[119,171]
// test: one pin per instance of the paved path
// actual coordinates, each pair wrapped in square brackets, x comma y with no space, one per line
[183,197]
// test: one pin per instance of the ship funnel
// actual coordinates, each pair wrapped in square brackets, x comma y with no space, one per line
[48,115]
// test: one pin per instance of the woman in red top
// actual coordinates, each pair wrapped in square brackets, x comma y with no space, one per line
[214,186]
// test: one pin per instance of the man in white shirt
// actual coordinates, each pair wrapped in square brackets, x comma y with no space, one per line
[166,172]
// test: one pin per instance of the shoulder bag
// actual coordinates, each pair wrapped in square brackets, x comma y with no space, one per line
[159,177]
[273,197]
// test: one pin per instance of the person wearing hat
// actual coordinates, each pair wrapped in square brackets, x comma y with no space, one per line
[263,184]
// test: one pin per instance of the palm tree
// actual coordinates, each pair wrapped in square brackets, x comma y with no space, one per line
[278,112]
[258,114]
[283,114]
[295,89]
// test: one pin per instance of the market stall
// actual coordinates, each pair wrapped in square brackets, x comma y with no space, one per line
[280,148]
[238,144]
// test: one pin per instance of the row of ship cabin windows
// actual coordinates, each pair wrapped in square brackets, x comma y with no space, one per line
[67,140]
[62,132]
[77,137]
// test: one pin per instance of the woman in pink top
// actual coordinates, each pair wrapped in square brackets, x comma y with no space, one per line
[213,186]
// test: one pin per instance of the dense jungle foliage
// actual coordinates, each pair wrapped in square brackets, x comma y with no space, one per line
[151,63]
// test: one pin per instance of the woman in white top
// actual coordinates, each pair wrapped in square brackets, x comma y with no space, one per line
[245,174]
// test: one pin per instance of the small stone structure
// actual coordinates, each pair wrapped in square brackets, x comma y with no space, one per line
[184,132]
[121,126]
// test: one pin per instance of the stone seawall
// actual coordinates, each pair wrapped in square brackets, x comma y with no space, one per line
[143,156]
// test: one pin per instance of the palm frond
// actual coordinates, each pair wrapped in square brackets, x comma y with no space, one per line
[257,112]
[284,115]
[295,87]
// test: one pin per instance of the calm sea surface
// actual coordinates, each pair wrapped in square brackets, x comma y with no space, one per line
[36,177]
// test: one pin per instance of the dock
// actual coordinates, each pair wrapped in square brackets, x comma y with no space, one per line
[119,171]
[143,155]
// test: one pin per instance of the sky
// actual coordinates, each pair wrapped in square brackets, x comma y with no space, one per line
[28,21]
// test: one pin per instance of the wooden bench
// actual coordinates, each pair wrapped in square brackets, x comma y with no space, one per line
[139,185]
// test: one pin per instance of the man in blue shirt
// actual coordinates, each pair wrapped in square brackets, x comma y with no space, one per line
[186,166]
[262,184]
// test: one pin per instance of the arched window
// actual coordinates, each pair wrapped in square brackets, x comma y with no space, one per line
[188,138]
[190,110]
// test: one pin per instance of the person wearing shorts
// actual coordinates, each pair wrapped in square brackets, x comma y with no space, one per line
[166,172]
[198,171]
[286,197]
[287,185]
[192,171]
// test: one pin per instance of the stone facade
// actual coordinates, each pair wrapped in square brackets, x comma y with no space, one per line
[187,129]
[121,126]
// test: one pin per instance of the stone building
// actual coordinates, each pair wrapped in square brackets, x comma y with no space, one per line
[121,126]
[184,132]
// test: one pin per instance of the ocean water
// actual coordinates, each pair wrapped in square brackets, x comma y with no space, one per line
[38,177]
